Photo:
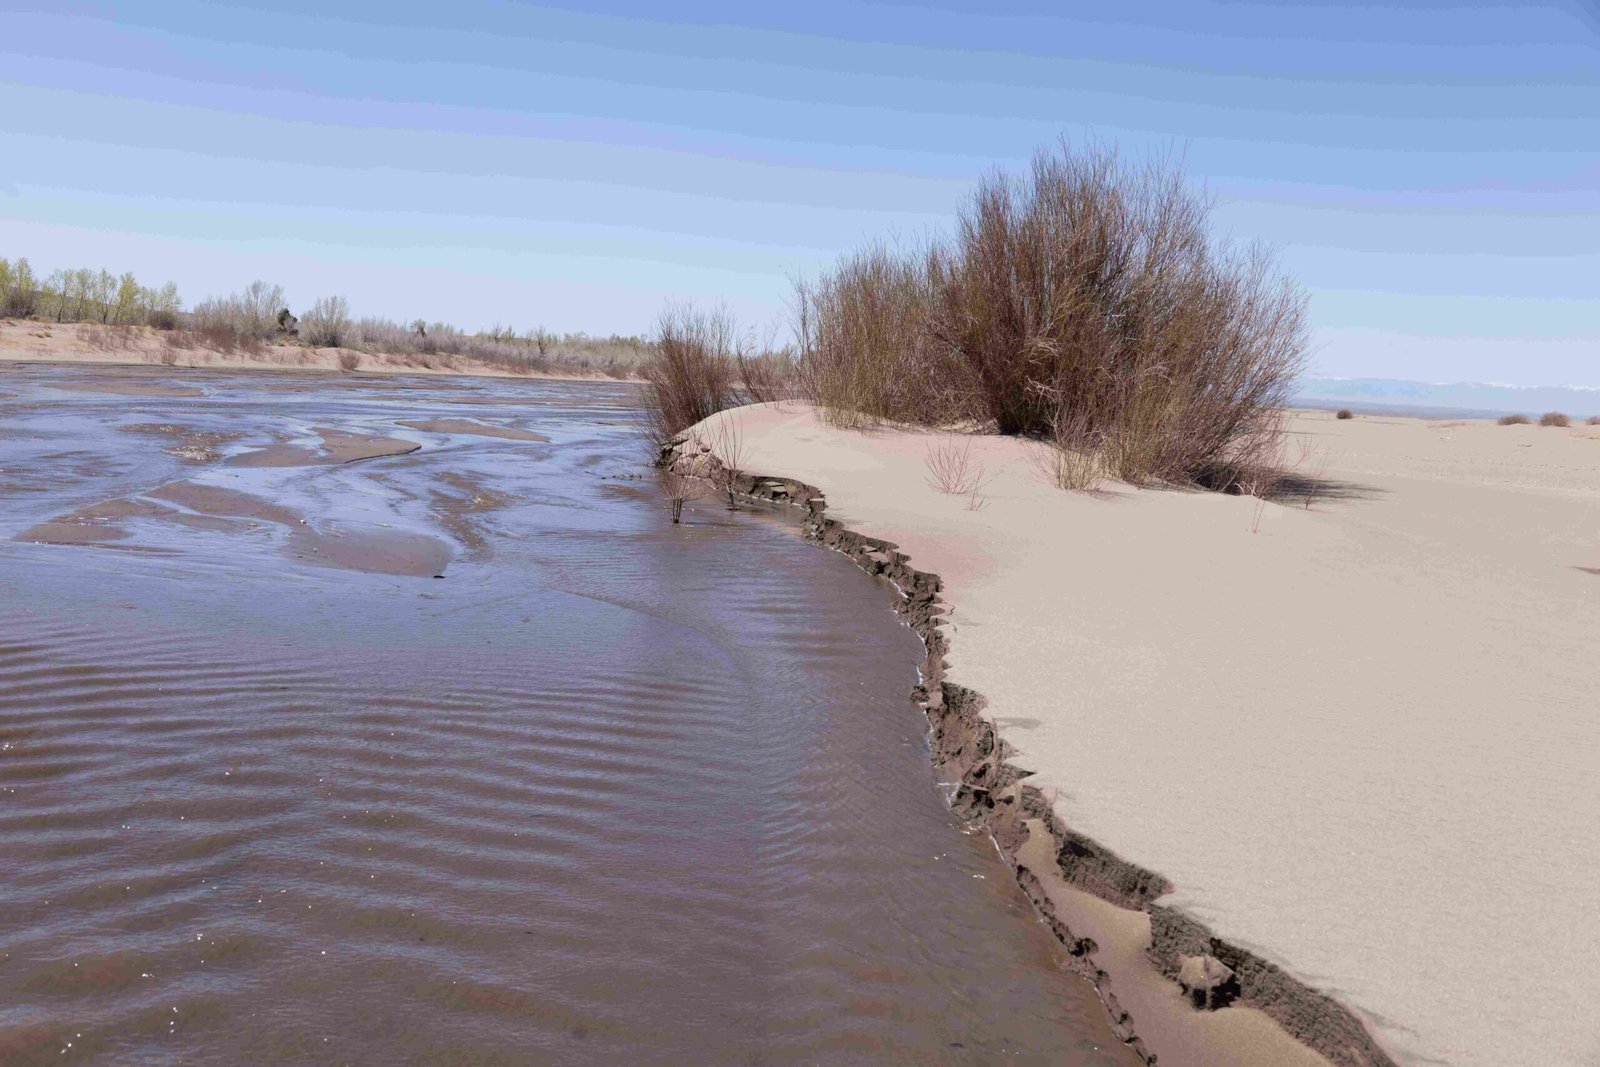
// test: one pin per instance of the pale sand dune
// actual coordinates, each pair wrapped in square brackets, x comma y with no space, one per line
[1362,742]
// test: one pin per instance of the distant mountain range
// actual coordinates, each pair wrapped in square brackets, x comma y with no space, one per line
[1448,399]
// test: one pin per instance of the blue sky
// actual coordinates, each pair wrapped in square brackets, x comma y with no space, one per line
[1429,171]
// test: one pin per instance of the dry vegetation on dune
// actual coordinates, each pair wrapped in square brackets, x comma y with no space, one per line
[1554,418]
[1513,420]
[701,364]
[1084,304]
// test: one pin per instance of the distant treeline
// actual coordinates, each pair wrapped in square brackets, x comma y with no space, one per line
[85,295]
[259,314]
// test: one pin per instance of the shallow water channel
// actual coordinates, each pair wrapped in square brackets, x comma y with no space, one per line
[608,790]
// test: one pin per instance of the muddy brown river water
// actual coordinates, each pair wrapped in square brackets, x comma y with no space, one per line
[607,791]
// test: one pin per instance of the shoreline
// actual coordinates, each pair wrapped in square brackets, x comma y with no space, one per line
[233,366]
[1093,900]
[62,345]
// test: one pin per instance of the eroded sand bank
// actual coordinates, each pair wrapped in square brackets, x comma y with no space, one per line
[1358,741]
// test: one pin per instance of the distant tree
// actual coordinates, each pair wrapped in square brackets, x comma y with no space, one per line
[84,284]
[23,299]
[100,292]
[161,306]
[125,304]
[57,294]
[327,324]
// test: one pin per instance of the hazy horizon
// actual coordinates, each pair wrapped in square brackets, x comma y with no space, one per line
[1430,172]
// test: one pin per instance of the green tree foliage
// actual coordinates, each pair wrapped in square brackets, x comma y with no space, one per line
[85,295]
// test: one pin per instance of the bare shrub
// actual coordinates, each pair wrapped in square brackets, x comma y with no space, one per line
[1554,418]
[161,306]
[248,315]
[108,338]
[1594,420]
[680,488]
[727,445]
[217,336]
[1086,303]
[349,361]
[1513,420]
[766,376]
[692,375]
[327,324]
[865,344]
[1345,413]
[162,319]
[951,468]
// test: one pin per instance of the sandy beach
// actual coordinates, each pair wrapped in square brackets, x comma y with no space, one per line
[1352,728]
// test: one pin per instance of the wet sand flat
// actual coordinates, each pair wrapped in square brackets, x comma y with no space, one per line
[1358,741]
[474,429]
[610,791]
[130,388]
[338,446]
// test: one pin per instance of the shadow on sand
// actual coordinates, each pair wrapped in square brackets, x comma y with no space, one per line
[1298,488]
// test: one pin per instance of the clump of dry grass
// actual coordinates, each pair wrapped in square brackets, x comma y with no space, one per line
[349,361]
[1068,468]
[952,468]
[1554,418]
[1344,413]
[1513,420]
[1084,303]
